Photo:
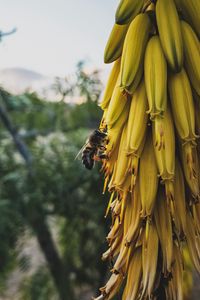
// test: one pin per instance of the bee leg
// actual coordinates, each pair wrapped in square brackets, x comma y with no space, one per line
[100,156]
[103,156]
[96,158]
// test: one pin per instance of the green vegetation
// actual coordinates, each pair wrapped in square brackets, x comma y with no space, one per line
[46,193]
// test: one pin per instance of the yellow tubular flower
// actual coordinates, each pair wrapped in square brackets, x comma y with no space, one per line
[134,276]
[116,105]
[148,178]
[112,80]
[127,10]
[133,51]
[149,261]
[165,157]
[191,46]
[164,229]
[170,33]
[190,10]
[155,71]
[179,199]
[152,164]
[182,105]
[115,43]
[136,129]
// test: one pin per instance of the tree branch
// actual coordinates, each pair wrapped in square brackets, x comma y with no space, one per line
[20,145]
[58,271]
[2,34]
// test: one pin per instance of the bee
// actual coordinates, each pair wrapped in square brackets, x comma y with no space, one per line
[94,148]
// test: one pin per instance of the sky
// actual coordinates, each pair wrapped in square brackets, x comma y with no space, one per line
[53,35]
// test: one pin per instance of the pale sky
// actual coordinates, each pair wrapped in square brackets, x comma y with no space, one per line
[53,35]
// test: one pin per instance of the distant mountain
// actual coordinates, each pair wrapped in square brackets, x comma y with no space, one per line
[18,80]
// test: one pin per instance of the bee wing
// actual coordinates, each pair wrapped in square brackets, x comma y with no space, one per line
[81,150]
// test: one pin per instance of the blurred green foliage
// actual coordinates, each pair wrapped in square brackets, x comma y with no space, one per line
[38,287]
[56,186]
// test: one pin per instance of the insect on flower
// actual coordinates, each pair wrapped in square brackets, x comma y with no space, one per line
[94,148]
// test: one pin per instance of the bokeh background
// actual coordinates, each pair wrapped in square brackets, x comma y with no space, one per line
[52,225]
